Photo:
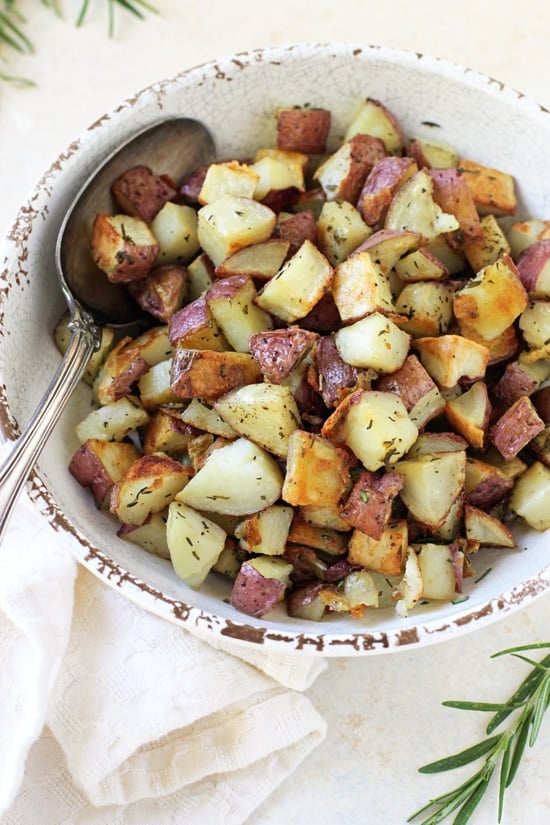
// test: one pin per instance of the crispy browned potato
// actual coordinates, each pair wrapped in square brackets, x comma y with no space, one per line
[317,471]
[210,374]
[122,368]
[123,247]
[303,130]
[493,191]
[166,432]
[162,291]
[141,193]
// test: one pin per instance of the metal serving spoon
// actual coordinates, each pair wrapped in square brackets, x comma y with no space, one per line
[175,146]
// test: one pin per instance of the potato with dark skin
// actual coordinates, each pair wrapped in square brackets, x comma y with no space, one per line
[141,193]
[161,293]
[303,130]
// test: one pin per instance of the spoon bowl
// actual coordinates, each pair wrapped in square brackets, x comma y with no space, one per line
[174,146]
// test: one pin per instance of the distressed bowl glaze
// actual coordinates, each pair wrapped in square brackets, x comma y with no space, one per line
[236,97]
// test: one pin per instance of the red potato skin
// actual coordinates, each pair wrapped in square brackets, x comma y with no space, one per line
[303,130]
[300,227]
[190,321]
[369,505]
[454,196]
[277,351]
[385,177]
[90,472]
[366,150]
[162,292]
[189,189]
[253,594]
[531,262]
[141,193]
[489,492]
[513,385]
[280,200]
[324,317]
[335,375]
[516,427]
[410,382]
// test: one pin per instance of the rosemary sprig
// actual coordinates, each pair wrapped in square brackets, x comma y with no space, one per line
[12,24]
[529,704]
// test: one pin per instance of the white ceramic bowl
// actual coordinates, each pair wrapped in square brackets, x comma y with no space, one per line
[236,97]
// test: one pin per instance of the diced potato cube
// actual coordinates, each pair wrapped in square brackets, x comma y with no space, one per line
[232,304]
[231,223]
[492,301]
[228,178]
[113,422]
[375,341]
[155,386]
[265,413]
[266,532]
[317,472]
[413,207]
[148,486]
[448,358]
[123,247]
[432,484]
[377,428]
[374,118]
[437,571]
[360,288]
[195,543]
[341,229]
[214,487]
[385,555]
[493,191]
[208,374]
[175,228]
[298,286]
[530,497]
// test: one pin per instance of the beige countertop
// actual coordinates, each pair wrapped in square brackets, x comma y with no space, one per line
[384,714]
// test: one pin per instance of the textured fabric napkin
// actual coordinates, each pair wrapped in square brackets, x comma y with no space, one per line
[109,714]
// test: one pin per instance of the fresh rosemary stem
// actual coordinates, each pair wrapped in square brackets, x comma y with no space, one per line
[530,702]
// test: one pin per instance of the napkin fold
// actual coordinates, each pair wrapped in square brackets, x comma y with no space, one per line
[110,714]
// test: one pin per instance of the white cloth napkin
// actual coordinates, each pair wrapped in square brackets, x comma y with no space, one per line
[110,715]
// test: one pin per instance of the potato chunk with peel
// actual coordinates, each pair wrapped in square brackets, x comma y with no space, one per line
[341,229]
[237,479]
[413,207]
[148,486]
[265,413]
[232,304]
[195,543]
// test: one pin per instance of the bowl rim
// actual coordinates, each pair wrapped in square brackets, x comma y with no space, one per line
[257,632]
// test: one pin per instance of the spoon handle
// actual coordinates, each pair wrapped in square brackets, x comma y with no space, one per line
[16,468]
